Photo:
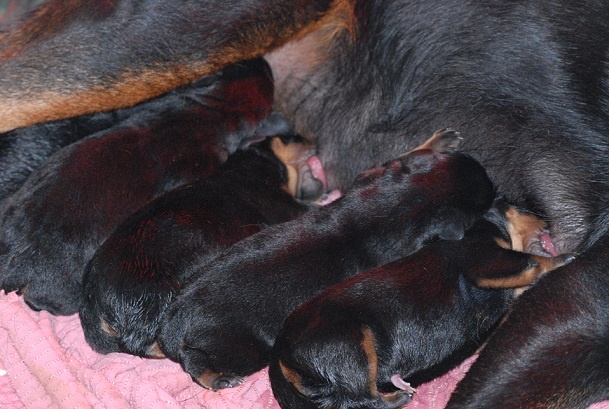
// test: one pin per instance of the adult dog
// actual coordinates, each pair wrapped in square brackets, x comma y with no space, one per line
[526,81]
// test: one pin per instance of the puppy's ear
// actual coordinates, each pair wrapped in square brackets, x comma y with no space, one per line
[451,231]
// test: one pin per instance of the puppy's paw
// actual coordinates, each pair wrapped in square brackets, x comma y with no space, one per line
[443,141]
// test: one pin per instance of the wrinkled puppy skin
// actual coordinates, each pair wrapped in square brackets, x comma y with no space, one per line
[53,224]
[223,324]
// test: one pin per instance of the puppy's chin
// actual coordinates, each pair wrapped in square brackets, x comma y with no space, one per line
[309,188]
[292,393]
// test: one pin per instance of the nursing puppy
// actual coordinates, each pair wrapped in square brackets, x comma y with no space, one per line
[223,324]
[136,273]
[353,345]
[53,224]
[527,81]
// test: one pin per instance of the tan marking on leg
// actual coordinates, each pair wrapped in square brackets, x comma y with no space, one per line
[207,379]
[22,107]
[526,277]
[369,348]
[503,244]
[445,140]
[129,90]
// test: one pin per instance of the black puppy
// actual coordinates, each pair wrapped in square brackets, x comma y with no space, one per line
[136,273]
[223,324]
[353,345]
[53,224]
[24,149]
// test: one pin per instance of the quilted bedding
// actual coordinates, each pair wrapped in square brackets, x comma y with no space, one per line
[45,363]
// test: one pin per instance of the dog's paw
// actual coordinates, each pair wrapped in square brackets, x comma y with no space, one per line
[443,141]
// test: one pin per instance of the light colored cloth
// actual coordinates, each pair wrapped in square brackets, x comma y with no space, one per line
[46,363]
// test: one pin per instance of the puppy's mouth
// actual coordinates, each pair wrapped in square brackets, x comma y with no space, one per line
[547,244]
[529,234]
[307,180]
[313,185]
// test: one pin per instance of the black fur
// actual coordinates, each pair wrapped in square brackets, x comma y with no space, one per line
[53,224]
[527,81]
[423,314]
[223,324]
[24,149]
[133,277]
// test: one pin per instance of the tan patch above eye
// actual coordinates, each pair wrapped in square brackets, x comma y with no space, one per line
[293,378]
[107,329]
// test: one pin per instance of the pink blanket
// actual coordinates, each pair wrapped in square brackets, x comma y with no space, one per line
[46,363]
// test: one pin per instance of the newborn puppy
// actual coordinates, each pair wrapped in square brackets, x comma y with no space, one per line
[353,345]
[223,324]
[136,273]
[50,228]
[24,149]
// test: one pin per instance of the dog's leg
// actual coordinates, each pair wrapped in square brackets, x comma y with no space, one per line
[79,56]
[552,351]
[501,274]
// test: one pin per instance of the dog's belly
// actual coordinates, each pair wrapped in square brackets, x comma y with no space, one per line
[508,82]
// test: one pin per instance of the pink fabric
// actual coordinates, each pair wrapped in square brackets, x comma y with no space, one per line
[46,363]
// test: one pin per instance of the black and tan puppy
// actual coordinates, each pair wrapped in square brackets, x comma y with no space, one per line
[223,324]
[53,224]
[527,81]
[355,344]
[133,277]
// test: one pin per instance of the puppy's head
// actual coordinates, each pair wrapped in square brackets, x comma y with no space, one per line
[337,369]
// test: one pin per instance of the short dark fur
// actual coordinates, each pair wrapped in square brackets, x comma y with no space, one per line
[422,315]
[136,273]
[53,224]
[223,324]
[527,81]
[108,68]
[24,149]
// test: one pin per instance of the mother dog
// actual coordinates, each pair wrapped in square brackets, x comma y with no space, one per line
[526,80]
